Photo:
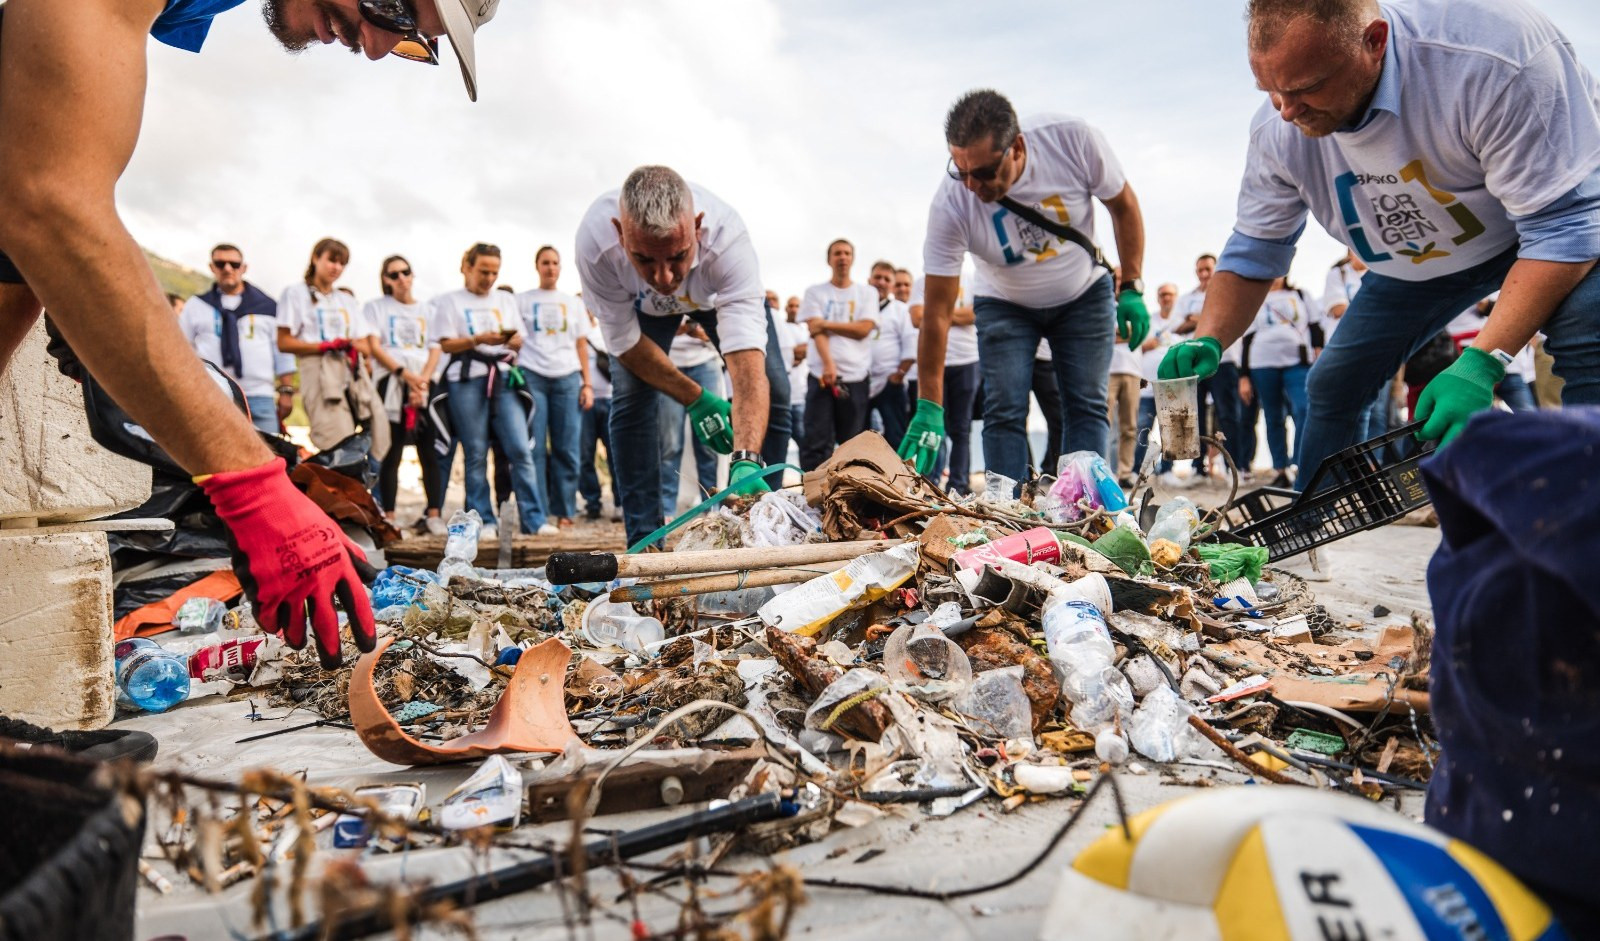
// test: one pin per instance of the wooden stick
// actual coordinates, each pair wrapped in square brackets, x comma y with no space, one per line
[1237,755]
[569,568]
[727,581]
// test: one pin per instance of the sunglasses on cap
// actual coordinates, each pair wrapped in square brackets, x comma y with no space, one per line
[400,17]
[219,264]
[982,174]
[397,274]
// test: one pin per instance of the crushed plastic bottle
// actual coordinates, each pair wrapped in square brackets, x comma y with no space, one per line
[1081,651]
[200,616]
[461,545]
[921,660]
[1170,534]
[1160,728]
[150,678]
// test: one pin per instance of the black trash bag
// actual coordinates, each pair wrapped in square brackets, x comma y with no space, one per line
[197,533]
[1515,681]
[350,457]
[70,866]
[131,595]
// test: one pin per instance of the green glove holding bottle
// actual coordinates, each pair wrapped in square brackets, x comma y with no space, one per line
[920,446]
[711,417]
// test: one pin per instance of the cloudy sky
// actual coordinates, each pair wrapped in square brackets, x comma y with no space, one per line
[815,119]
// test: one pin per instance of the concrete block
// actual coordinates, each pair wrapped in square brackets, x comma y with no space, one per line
[56,658]
[51,470]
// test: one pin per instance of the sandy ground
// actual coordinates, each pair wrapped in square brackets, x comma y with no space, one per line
[1384,567]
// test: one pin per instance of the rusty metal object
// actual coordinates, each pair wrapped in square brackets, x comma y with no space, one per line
[796,654]
[531,715]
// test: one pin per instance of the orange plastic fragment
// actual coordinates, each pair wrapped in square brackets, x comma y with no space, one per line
[531,715]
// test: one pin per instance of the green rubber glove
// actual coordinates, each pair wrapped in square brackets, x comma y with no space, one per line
[1133,318]
[741,469]
[514,377]
[921,443]
[1199,357]
[1455,395]
[711,417]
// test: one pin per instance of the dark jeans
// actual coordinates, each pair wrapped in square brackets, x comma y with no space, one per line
[1249,417]
[960,392]
[1390,319]
[1048,395]
[833,416]
[1282,392]
[1080,333]
[593,429]
[890,404]
[797,426]
[1223,387]
[1147,421]
[476,418]
[635,405]
[674,422]
[420,437]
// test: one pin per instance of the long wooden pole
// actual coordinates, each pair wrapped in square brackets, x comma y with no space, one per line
[726,581]
[569,568]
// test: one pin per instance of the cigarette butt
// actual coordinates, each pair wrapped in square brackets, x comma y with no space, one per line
[156,879]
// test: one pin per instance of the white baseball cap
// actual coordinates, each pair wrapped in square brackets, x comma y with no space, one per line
[461,20]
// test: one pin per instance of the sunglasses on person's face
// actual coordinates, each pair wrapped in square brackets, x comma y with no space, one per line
[400,17]
[222,265]
[982,174]
[397,274]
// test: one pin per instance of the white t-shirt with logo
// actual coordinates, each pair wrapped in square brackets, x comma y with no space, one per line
[315,317]
[1190,305]
[1497,118]
[1282,328]
[259,358]
[961,343]
[725,277]
[1343,283]
[405,331]
[552,323]
[461,314]
[852,358]
[1068,165]
[893,342]
[791,335]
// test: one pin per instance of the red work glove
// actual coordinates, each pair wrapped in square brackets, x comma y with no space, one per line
[292,560]
[328,346]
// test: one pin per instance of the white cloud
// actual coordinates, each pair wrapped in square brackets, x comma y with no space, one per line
[815,120]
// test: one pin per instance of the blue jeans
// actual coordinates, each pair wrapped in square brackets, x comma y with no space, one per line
[472,416]
[594,428]
[1147,421]
[1080,334]
[960,392]
[1223,387]
[263,412]
[890,404]
[1390,319]
[797,425]
[555,414]
[635,427]
[1512,390]
[674,419]
[1282,392]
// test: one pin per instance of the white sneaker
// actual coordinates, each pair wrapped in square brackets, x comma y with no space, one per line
[549,529]
[1172,481]
[436,526]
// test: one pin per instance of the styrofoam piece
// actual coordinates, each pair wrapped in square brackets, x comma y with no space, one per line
[50,468]
[55,629]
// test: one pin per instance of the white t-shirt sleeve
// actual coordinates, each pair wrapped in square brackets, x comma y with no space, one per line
[196,317]
[361,325]
[741,297]
[605,294]
[580,319]
[1533,154]
[1333,290]
[908,336]
[292,308]
[1270,206]
[1089,148]
[944,248]
[442,320]
[810,307]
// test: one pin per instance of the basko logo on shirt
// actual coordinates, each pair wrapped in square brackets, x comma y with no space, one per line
[1410,216]
[1030,241]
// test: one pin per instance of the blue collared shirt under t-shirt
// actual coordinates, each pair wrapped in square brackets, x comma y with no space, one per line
[185,23]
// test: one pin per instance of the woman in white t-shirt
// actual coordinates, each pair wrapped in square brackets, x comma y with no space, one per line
[1277,352]
[555,360]
[407,351]
[324,327]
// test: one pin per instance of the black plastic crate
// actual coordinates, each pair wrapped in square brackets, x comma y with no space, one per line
[1351,492]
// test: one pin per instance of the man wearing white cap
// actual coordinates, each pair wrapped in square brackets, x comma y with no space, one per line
[71,103]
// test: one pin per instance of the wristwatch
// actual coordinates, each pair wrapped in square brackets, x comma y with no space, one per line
[1503,357]
[1136,286]
[754,457]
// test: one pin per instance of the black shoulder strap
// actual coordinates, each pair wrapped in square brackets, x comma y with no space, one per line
[1058,229]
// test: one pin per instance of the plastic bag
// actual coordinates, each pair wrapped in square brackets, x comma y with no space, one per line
[779,518]
[401,585]
[996,705]
[852,685]
[1231,562]
[922,661]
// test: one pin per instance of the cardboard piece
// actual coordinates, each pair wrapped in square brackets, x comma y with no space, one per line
[865,486]
[531,715]
[1357,685]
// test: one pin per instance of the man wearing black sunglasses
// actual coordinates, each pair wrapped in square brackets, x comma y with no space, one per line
[72,81]
[1020,199]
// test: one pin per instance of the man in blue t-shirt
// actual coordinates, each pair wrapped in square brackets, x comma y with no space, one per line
[71,104]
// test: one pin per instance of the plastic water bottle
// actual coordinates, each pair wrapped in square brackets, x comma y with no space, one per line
[1080,648]
[150,678]
[461,545]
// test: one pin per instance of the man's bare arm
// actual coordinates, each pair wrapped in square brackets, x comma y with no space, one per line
[752,397]
[963,316]
[1127,223]
[939,301]
[1529,296]
[1231,304]
[855,329]
[650,363]
[72,83]
[294,346]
